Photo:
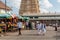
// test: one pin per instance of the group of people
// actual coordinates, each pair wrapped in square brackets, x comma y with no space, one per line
[28,25]
[41,27]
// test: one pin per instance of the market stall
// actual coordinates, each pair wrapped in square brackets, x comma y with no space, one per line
[3,20]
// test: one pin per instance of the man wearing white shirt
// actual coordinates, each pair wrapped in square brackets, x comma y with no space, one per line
[19,24]
[39,28]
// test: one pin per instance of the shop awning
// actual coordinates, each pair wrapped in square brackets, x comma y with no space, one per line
[4,15]
[20,17]
[26,18]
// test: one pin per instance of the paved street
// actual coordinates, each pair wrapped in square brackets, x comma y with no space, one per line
[32,35]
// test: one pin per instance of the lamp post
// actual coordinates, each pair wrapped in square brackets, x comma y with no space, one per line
[5,6]
[56,23]
[5,12]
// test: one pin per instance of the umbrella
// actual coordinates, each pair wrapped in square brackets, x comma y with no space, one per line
[20,17]
[26,18]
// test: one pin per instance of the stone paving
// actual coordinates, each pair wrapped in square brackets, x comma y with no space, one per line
[32,35]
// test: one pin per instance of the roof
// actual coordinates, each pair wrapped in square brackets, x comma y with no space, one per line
[46,18]
[2,6]
[42,14]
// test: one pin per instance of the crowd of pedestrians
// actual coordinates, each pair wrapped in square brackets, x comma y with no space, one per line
[40,26]
[29,25]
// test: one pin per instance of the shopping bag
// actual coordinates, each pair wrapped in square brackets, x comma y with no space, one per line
[22,26]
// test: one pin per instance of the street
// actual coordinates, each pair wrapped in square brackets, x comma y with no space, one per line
[32,35]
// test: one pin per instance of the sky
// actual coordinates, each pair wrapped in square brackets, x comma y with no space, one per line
[45,5]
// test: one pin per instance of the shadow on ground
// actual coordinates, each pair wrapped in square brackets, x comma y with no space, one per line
[58,31]
[57,37]
[33,35]
[57,34]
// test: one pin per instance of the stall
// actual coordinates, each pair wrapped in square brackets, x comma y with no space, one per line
[3,20]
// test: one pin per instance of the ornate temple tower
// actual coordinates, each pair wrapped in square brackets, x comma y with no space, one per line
[29,7]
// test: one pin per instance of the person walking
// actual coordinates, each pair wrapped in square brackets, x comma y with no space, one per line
[30,25]
[19,24]
[27,25]
[43,28]
[55,26]
[39,27]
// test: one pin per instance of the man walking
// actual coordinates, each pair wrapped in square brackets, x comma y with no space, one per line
[19,24]
[43,28]
[39,27]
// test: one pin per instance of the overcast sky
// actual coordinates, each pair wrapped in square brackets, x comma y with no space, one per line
[45,5]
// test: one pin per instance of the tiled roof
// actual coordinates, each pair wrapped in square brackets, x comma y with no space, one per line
[2,6]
